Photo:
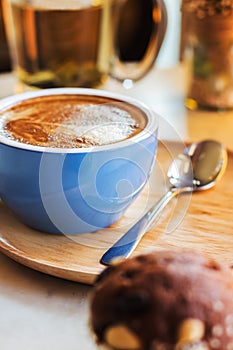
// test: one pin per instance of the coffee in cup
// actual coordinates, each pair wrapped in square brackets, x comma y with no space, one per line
[73,160]
[71,121]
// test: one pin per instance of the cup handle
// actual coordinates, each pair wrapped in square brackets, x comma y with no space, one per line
[135,69]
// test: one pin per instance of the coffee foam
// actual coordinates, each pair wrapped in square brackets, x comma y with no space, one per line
[93,125]
[67,123]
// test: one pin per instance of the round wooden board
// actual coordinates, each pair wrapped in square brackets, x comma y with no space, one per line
[202,221]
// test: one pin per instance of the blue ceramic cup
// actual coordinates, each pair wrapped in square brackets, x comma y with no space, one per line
[75,190]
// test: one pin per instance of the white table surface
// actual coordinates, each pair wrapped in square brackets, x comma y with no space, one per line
[42,312]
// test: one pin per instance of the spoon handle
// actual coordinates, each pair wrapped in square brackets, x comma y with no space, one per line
[128,242]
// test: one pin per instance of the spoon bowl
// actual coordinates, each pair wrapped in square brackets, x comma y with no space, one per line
[198,168]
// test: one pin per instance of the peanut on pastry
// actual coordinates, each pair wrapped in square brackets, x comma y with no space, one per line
[190,331]
[121,337]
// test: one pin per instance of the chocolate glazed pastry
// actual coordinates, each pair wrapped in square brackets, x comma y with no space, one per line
[164,300]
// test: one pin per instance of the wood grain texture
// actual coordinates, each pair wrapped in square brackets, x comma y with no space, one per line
[200,221]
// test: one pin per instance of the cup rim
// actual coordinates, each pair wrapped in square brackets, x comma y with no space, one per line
[150,128]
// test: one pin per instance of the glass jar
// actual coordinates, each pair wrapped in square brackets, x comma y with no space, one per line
[207,49]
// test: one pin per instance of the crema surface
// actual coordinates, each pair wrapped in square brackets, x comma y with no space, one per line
[71,121]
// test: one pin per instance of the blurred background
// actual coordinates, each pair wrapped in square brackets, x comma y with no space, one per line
[4,54]
[169,53]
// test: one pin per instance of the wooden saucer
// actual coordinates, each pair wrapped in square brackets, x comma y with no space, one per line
[202,221]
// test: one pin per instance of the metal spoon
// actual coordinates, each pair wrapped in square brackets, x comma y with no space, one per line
[197,168]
